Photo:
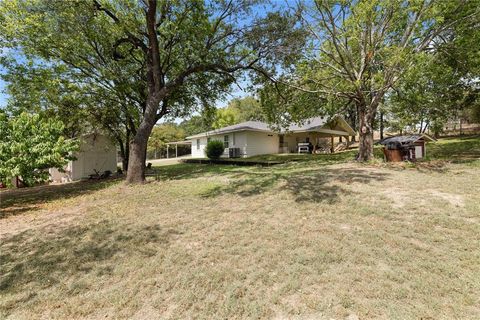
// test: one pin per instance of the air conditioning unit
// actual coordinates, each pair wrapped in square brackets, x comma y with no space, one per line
[234,152]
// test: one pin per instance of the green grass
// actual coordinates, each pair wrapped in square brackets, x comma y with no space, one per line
[316,239]
[339,157]
[318,158]
[456,149]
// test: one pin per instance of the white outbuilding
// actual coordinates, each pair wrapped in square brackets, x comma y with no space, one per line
[97,154]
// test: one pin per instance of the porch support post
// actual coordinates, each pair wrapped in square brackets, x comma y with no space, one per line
[332,149]
[167,150]
[176,150]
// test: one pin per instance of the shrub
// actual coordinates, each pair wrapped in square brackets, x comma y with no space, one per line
[29,145]
[214,149]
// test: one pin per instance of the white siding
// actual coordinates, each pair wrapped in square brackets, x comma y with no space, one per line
[97,152]
[261,143]
[239,139]
[198,150]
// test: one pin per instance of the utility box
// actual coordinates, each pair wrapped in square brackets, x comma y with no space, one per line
[234,153]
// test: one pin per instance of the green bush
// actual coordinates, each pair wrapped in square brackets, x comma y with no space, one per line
[29,145]
[214,149]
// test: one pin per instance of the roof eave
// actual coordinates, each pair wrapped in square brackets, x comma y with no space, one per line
[215,133]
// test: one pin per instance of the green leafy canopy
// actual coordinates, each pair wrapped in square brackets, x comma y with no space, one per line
[29,145]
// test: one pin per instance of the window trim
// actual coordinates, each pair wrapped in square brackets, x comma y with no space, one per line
[226,141]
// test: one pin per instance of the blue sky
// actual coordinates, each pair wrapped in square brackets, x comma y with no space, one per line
[3,97]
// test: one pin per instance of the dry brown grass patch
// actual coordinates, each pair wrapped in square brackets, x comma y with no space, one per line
[298,241]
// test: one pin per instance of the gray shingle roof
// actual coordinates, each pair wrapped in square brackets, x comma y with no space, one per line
[309,124]
[406,139]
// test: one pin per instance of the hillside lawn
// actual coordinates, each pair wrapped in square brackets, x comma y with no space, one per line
[317,238]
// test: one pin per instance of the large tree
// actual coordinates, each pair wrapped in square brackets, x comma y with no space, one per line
[360,50]
[161,58]
[61,63]
[428,96]
[186,42]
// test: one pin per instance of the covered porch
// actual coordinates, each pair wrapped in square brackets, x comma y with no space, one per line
[176,144]
[327,138]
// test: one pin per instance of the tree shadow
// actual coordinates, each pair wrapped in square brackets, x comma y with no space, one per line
[191,171]
[318,185]
[18,201]
[246,184]
[30,261]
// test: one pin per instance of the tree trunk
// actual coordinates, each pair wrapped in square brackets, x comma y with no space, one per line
[123,153]
[365,141]
[138,146]
[365,146]
[382,125]
[426,126]
[127,152]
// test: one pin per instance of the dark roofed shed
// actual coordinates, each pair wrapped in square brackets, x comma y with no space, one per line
[406,147]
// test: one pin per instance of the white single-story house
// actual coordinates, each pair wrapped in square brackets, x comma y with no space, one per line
[252,138]
[97,154]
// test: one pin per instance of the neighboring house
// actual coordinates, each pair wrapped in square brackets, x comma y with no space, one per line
[252,138]
[97,154]
[406,147]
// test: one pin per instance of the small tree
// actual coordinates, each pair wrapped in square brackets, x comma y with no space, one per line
[226,117]
[29,145]
[214,149]
[161,135]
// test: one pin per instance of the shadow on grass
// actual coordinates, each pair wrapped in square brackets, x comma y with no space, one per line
[193,170]
[17,201]
[329,158]
[319,185]
[32,261]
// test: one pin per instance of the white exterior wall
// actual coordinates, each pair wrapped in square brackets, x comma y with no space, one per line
[261,143]
[97,152]
[235,140]
[198,151]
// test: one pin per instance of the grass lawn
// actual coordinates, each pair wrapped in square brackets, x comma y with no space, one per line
[316,239]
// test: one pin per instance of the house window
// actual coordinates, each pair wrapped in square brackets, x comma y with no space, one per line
[198,144]
[233,139]
[281,140]
[208,139]
[225,141]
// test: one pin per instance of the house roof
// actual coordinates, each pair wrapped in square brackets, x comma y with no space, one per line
[311,124]
[406,139]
